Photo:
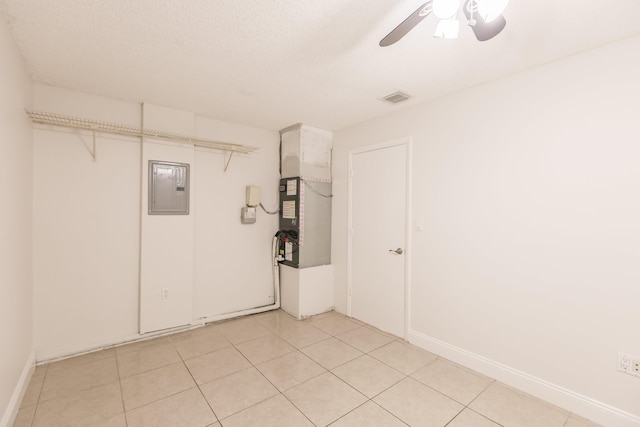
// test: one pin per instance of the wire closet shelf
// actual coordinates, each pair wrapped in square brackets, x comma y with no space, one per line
[94,126]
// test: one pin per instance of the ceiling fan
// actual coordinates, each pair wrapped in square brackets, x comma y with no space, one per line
[483,16]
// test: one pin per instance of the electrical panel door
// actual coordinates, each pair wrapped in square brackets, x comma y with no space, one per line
[168,188]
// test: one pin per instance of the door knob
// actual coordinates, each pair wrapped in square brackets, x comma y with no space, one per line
[397,251]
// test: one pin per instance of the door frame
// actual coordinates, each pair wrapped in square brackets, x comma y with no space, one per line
[407,142]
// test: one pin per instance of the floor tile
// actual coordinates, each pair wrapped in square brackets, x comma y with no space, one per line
[40,370]
[510,408]
[264,348]
[575,421]
[32,394]
[389,335]
[61,382]
[202,342]
[193,332]
[25,416]
[276,321]
[276,411]
[364,339]
[368,375]
[217,364]
[269,369]
[403,357]
[290,370]
[331,353]
[238,391]
[241,330]
[149,386]
[147,358]
[452,380]
[81,360]
[188,409]
[324,399]
[468,418]
[302,334]
[334,325]
[418,405]
[266,314]
[117,421]
[359,322]
[322,316]
[137,345]
[369,415]
[82,408]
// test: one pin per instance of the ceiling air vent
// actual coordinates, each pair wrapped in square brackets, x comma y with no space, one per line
[396,97]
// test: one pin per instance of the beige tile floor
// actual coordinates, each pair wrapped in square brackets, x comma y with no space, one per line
[271,370]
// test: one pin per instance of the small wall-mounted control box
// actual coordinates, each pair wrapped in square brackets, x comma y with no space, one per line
[248,215]
[253,195]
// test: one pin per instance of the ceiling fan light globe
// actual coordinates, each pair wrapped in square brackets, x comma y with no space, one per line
[444,9]
[447,29]
[491,9]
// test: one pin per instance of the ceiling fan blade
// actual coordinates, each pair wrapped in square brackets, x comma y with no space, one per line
[483,30]
[407,25]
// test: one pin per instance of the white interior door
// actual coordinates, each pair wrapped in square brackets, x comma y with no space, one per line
[378,210]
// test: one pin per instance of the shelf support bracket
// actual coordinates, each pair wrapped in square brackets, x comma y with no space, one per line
[93,152]
[228,161]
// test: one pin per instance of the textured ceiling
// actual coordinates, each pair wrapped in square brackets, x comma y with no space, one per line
[272,63]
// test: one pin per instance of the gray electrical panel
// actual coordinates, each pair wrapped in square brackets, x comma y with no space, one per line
[168,188]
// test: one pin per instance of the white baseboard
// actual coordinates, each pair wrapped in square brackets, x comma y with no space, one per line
[49,356]
[567,399]
[65,353]
[11,412]
[235,314]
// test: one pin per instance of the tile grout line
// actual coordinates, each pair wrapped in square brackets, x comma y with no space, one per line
[455,416]
[251,366]
[69,394]
[201,392]
[264,376]
[362,353]
[35,412]
[124,412]
[198,386]
[464,406]
[405,377]
[281,393]
[154,369]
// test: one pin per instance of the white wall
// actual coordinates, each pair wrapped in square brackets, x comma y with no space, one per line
[16,287]
[87,225]
[233,261]
[529,192]
[167,240]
